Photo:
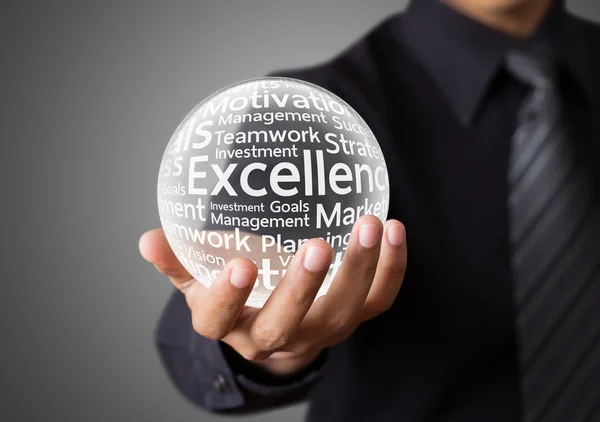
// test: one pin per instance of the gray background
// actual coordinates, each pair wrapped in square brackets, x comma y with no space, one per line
[91,92]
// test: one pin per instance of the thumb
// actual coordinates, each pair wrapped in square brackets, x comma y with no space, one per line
[154,248]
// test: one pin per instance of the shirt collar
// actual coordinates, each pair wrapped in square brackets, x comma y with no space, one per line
[463,55]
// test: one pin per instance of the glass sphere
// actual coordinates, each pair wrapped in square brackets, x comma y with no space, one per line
[261,166]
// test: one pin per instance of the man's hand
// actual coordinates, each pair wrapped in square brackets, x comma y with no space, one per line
[292,329]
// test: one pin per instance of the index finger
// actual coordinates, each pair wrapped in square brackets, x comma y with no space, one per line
[390,271]
[338,310]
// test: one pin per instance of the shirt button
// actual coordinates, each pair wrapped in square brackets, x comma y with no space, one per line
[220,383]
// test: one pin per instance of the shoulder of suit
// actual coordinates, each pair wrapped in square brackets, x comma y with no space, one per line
[356,70]
[591,31]
[591,39]
[589,23]
[353,64]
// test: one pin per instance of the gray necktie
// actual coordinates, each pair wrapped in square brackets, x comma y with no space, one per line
[555,235]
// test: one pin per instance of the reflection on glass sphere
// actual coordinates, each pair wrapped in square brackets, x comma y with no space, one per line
[261,166]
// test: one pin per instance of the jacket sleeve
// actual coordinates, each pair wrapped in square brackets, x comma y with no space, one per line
[214,377]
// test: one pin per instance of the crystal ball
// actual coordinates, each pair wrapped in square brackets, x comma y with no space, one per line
[261,166]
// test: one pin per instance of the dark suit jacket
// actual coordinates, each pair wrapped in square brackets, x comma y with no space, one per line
[431,85]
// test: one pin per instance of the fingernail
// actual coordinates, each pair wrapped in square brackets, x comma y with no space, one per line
[316,259]
[368,235]
[395,235]
[240,277]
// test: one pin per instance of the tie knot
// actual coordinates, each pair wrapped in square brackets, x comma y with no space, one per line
[534,67]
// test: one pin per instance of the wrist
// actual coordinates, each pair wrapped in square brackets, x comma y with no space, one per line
[275,370]
[282,366]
